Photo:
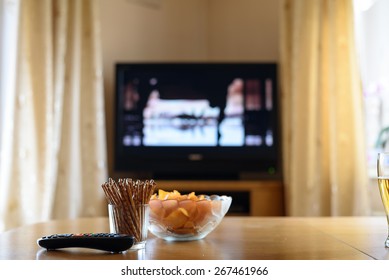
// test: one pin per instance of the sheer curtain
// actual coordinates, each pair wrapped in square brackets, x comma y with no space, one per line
[53,150]
[323,128]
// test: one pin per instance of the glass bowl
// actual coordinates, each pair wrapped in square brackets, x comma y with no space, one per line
[187,219]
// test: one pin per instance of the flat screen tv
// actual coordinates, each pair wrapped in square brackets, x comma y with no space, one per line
[197,120]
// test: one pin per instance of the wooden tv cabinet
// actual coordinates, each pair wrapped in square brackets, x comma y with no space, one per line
[266,198]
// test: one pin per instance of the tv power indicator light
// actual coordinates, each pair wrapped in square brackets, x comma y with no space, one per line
[195,157]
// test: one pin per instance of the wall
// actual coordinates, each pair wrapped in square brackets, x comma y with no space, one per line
[184,30]
[244,30]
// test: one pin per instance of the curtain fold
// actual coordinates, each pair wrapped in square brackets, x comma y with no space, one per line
[323,130]
[57,152]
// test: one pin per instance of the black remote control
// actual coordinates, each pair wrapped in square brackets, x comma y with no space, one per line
[112,242]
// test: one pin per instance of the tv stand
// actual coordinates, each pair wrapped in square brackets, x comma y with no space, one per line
[266,197]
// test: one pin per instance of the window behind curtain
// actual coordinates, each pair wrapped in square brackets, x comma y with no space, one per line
[9,11]
[371,22]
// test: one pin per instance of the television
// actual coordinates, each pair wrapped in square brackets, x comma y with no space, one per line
[197,120]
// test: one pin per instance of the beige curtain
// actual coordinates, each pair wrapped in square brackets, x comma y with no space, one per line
[323,131]
[54,153]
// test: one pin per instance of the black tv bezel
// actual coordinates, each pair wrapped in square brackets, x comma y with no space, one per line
[216,162]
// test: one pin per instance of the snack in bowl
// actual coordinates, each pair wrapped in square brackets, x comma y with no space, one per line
[179,217]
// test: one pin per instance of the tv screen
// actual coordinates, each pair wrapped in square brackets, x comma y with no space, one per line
[197,120]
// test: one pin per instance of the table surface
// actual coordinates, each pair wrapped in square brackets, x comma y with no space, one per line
[239,238]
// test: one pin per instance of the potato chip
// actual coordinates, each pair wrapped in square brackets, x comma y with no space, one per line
[176,219]
[169,205]
[189,206]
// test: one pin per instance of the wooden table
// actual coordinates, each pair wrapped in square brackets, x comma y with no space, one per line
[240,238]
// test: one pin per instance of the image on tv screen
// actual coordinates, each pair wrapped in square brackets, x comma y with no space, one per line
[175,108]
